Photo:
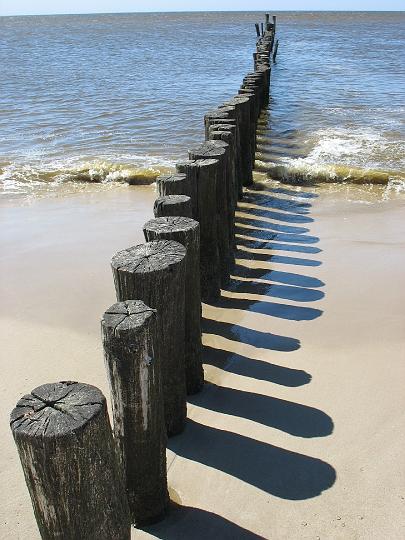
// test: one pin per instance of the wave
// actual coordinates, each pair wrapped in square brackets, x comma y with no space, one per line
[335,155]
[133,170]
[307,172]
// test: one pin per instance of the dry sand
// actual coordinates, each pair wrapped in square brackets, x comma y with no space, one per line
[299,433]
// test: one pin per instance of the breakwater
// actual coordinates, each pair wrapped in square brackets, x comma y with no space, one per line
[79,476]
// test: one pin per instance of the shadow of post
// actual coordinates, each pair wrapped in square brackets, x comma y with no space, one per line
[279,472]
[188,523]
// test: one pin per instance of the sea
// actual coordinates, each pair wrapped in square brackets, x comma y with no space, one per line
[118,99]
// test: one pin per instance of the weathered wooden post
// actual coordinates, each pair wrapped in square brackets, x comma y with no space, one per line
[242,105]
[257,30]
[204,175]
[215,150]
[228,114]
[249,88]
[219,114]
[266,71]
[226,133]
[186,231]
[173,205]
[275,51]
[174,184]
[129,337]
[254,113]
[71,463]
[262,28]
[155,273]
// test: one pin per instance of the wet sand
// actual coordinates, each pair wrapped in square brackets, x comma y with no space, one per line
[300,431]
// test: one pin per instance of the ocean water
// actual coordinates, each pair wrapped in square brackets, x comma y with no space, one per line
[120,98]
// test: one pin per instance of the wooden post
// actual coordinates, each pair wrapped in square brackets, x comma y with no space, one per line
[257,30]
[242,105]
[70,463]
[214,150]
[274,23]
[204,174]
[275,51]
[129,337]
[267,16]
[155,273]
[262,28]
[228,114]
[254,114]
[173,184]
[173,205]
[217,114]
[226,133]
[186,231]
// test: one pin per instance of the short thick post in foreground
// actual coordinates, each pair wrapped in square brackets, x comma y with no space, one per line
[70,463]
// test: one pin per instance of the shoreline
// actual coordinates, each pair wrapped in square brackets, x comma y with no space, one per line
[335,359]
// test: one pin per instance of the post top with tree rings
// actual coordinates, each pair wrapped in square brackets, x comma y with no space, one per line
[186,163]
[174,199]
[171,224]
[255,74]
[236,100]
[217,144]
[171,177]
[55,410]
[219,113]
[216,134]
[152,256]
[223,127]
[126,316]
[246,92]
[230,122]
[206,163]
[173,205]
[208,149]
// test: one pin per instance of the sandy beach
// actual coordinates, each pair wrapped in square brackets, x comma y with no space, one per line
[299,432]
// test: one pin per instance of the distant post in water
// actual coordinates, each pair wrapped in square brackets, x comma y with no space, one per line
[275,51]
[70,463]
[155,273]
[129,338]
[186,231]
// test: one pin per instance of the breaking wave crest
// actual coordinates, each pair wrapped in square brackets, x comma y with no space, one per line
[18,177]
[305,172]
[334,155]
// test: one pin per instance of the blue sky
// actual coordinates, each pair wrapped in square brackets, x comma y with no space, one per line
[28,7]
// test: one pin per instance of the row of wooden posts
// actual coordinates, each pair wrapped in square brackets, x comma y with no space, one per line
[85,481]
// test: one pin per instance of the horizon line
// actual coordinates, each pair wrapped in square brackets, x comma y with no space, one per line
[206,11]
